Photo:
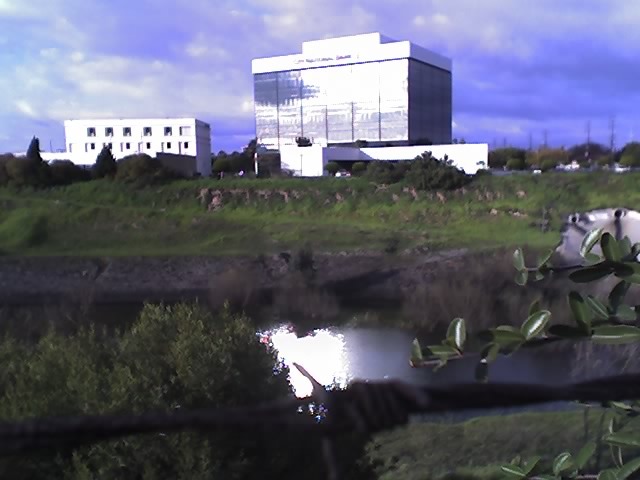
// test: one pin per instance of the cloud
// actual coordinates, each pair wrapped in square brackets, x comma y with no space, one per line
[518,68]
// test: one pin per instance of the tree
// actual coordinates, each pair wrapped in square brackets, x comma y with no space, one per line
[33,152]
[222,164]
[332,168]
[610,321]
[516,164]
[585,152]
[106,165]
[499,157]
[630,156]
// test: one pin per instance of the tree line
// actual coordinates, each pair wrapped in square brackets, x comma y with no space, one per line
[545,158]
[31,170]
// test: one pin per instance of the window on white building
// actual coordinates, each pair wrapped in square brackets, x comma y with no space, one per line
[108,132]
[185,130]
[70,147]
[91,132]
[168,145]
[148,145]
[126,131]
[93,146]
[168,131]
[146,131]
[186,145]
[127,146]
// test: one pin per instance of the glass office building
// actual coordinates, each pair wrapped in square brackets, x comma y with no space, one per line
[364,87]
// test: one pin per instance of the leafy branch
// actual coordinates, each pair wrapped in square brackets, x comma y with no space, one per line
[610,322]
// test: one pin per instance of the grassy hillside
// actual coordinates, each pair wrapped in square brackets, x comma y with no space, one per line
[252,216]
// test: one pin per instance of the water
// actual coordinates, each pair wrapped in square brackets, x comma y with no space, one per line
[339,355]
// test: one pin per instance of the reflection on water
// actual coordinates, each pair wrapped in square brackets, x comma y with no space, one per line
[322,353]
[339,355]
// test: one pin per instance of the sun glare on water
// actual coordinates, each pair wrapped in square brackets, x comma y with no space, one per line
[322,354]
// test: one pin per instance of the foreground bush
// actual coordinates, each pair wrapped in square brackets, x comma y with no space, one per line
[172,357]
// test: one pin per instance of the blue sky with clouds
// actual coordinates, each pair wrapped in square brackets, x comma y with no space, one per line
[519,67]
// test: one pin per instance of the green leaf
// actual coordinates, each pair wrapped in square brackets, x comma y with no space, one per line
[518,259]
[521,277]
[626,313]
[544,259]
[443,351]
[534,307]
[528,467]
[597,307]
[513,471]
[589,241]
[457,333]
[590,274]
[416,352]
[629,468]
[628,271]
[537,276]
[616,455]
[535,324]
[506,338]
[592,258]
[610,248]
[618,293]
[622,439]
[562,463]
[585,453]
[581,313]
[625,247]
[608,474]
[616,334]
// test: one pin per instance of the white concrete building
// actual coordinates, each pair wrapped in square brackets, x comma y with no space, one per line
[127,136]
[361,87]
[311,161]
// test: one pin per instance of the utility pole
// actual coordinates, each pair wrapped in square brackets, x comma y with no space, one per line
[530,141]
[587,152]
[612,134]
[544,136]
[504,142]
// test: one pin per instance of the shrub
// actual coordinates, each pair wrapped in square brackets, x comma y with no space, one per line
[141,168]
[332,168]
[22,172]
[65,172]
[359,168]
[4,175]
[172,357]
[23,228]
[548,164]
[429,173]
[386,172]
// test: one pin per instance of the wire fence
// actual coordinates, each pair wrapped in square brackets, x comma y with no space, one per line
[365,407]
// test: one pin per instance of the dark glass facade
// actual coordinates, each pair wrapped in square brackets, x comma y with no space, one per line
[393,101]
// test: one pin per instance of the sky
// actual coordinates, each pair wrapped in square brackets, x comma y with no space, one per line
[520,68]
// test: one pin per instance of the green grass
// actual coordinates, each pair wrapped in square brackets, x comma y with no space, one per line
[107,218]
[477,447]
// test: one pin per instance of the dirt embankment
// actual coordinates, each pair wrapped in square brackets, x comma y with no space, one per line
[365,277]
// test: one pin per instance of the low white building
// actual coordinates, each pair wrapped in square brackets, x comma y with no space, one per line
[311,161]
[127,136]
